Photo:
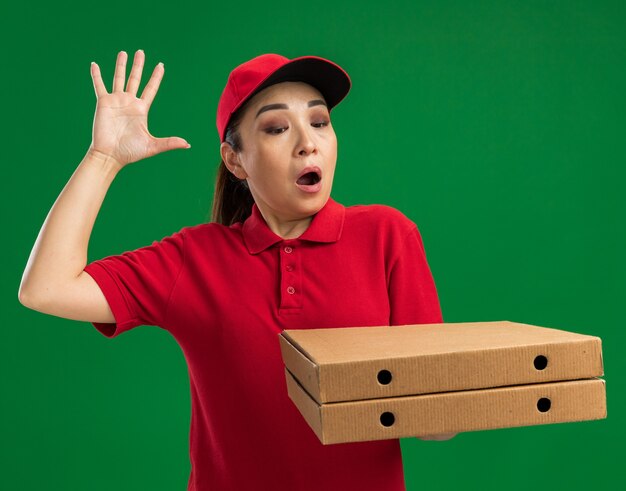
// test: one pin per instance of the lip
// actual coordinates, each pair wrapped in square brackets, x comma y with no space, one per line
[312,188]
[310,168]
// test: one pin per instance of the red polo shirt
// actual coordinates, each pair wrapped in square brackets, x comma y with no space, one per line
[225,293]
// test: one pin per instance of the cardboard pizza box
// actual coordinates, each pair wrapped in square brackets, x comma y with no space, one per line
[371,383]
[354,363]
[450,412]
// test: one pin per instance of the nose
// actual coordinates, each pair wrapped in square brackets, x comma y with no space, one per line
[306,142]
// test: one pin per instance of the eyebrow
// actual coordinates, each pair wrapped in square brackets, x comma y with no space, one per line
[315,102]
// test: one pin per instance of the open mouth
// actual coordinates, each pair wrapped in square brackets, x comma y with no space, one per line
[309,179]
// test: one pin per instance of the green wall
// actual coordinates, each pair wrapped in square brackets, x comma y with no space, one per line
[498,127]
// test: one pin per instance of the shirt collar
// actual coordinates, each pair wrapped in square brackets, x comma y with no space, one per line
[326,226]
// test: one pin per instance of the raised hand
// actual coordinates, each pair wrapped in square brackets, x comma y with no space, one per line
[120,127]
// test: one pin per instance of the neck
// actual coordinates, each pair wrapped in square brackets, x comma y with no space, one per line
[287,229]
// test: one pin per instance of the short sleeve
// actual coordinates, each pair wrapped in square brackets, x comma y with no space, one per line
[413,295]
[138,284]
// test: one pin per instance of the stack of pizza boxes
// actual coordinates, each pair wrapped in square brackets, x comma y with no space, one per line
[374,383]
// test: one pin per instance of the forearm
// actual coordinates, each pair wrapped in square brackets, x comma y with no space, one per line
[60,251]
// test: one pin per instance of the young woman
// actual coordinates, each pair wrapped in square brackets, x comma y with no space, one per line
[279,254]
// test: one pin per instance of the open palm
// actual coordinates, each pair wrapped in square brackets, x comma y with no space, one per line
[120,128]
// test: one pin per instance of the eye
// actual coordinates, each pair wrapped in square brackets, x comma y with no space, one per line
[322,124]
[278,131]
[274,131]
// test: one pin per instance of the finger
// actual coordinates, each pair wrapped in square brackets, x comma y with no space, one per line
[98,84]
[439,437]
[170,143]
[120,72]
[152,86]
[135,74]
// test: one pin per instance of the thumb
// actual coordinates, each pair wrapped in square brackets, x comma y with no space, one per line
[169,143]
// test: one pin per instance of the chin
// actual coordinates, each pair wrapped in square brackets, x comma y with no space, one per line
[319,200]
[309,203]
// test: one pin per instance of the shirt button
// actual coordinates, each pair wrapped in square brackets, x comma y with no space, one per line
[291,290]
[288,249]
[289,268]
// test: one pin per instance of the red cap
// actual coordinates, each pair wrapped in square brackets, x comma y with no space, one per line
[258,73]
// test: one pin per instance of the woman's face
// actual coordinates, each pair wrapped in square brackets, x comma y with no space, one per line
[285,128]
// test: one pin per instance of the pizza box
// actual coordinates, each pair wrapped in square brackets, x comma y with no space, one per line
[378,382]
[354,363]
[450,412]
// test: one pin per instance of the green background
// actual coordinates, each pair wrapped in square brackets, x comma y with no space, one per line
[498,127]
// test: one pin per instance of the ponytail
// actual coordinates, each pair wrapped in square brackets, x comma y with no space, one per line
[232,200]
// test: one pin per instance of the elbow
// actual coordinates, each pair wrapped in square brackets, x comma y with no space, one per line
[29,294]
[27,299]
[22,295]
[24,298]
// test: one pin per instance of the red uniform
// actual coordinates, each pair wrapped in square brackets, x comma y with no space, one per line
[225,293]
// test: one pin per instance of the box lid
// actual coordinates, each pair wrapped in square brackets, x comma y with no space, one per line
[357,363]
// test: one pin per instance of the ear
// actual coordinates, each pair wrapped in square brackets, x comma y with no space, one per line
[232,161]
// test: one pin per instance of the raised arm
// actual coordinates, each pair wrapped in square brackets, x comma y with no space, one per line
[53,281]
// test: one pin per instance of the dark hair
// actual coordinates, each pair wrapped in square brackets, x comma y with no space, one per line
[232,200]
